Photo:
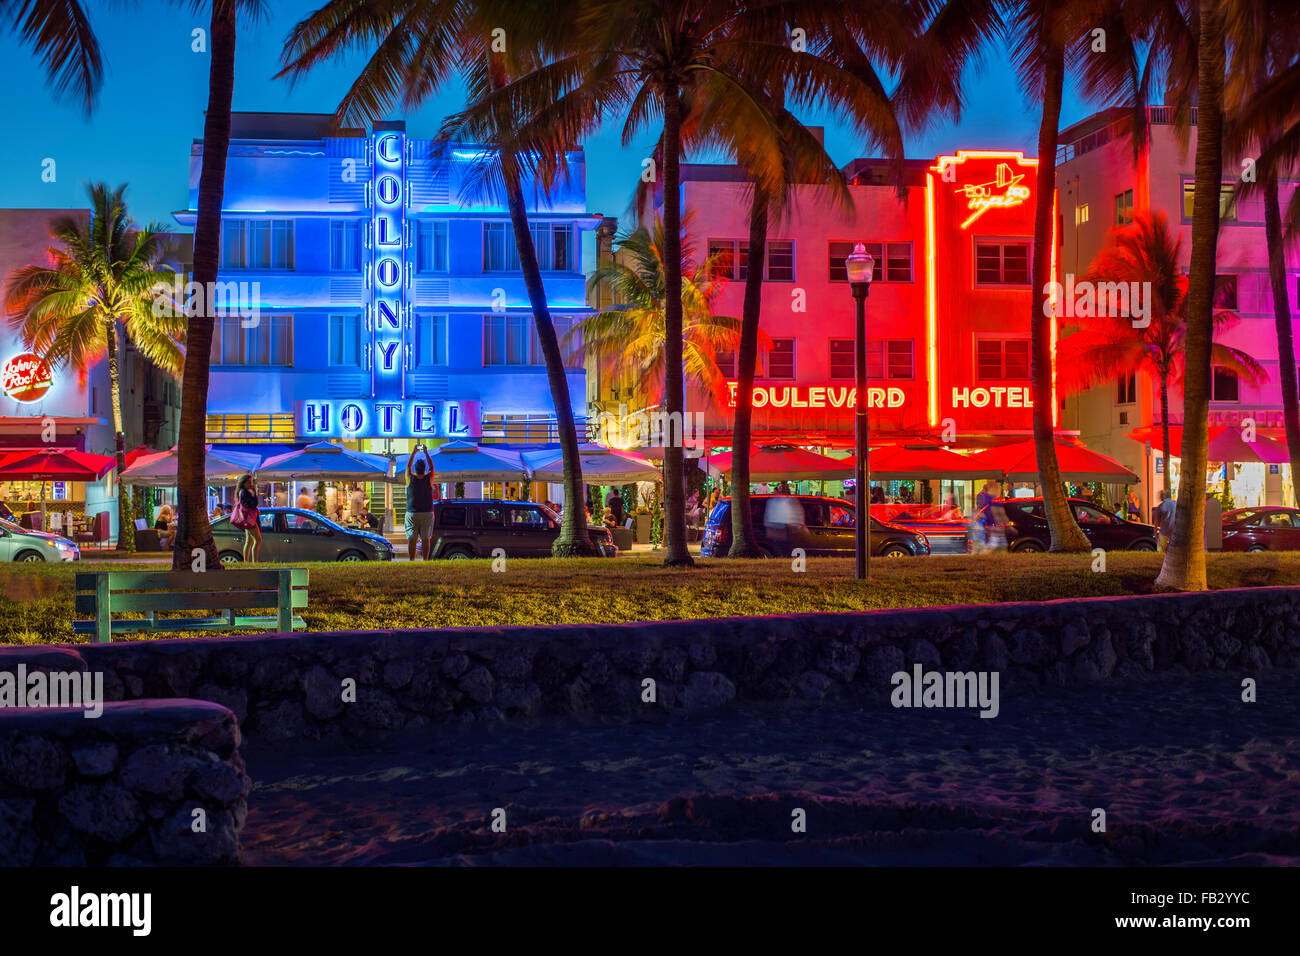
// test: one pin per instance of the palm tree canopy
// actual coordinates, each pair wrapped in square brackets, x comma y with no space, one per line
[631,336]
[105,275]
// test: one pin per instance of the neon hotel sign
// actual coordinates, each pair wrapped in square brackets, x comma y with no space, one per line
[826,396]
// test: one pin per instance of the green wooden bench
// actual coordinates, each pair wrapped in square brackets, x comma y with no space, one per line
[100,594]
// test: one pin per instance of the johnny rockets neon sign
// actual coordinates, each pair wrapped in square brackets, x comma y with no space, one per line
[1001,192]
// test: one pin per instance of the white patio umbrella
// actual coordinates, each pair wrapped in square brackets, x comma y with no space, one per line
[600,466]
[159,470]
[466,461]
[325,461]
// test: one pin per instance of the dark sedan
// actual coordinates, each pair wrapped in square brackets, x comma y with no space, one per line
[293,535]
[1262,529]
[1027,527]
[826,529]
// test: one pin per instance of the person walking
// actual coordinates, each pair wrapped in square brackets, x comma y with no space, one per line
[248,519]
[1164,519]
[614,502]
[419,502]
[358,501]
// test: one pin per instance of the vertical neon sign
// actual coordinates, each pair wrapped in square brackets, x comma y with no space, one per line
[388,266]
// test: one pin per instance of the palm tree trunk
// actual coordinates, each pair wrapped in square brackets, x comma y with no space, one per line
[1184,564]
[1282,319]
[1065,531]
[573,540]
[677,554]
[193,529]
[742,522]
[125,529]
[1164,430]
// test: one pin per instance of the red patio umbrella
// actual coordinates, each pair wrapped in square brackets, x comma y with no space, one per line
[53,464]
[785,463]
[1019,462]
[902,463]
[1226,444]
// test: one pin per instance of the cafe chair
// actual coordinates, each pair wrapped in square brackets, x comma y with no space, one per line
[97,532]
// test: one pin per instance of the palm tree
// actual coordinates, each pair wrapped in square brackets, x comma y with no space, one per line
[99,291]
[59,31]
[1146,251]
[630,336]
[1264,39]
[1183,568]
[193,530]
[420,45]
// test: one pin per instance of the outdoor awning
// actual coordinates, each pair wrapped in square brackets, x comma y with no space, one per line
[158,470]
[904,462]
[325,461]
[1019,462]
[54,464]
[1226,444]
[600,466]
[786,463]
[466,461]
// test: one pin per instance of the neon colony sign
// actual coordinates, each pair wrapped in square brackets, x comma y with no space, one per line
[825,396]
[388,276]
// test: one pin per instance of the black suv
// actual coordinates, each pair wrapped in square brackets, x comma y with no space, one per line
[1027,526]
[475,527]
[826,530]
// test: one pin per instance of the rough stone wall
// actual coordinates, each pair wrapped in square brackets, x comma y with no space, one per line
[121,788]
[286,687]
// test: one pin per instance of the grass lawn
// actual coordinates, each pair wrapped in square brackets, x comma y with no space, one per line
[36,601]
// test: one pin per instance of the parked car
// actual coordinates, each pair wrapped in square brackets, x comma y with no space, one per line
[476,527]
[827,530]
[1262,529]
[946,535]
[19,544]
[293,535]
[1027,526]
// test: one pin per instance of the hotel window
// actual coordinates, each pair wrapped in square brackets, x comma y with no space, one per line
[1001,263]
[1227,201]
[1224,386]
[1126,391]
[1225,292]
[886,359]
[269,342]
[345,245]
[506,339]
[726,362]
[842,363]
[780,359]
[893,261]
[257,244]
[780,261]
[431,246]
[345,339]
[430,339]
[732,257]
[570,350]
[999,360]
[553,242]
[1080,214]
[1124,207]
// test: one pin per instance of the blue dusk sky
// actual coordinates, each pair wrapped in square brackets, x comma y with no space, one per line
[151,105]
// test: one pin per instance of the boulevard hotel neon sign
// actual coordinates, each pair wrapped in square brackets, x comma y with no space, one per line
[827,396]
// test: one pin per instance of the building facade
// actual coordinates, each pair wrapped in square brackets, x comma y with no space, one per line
[65,407]
[381,300]
[947,316]
[1101,184]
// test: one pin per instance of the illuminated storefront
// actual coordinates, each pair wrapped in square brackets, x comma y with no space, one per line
[387,305]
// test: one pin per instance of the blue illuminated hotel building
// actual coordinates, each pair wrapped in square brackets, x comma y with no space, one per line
[390,305]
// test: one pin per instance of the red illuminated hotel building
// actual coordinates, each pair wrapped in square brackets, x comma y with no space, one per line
[1101,185]
[947,316]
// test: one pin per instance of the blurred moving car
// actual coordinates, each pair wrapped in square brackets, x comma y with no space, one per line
[19,544]
[820,527]
[946,535]
[476,527]
[1261,529]
[292,534]
[1027,526]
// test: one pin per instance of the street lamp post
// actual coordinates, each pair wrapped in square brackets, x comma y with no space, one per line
[859,266]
